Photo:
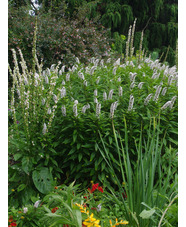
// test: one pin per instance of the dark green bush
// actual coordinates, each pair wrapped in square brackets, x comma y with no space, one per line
[57,40]
[69,147]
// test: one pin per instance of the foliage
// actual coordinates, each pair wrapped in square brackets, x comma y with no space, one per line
[30,215]
[56,39]
[54,113]
[159,19]
[146,183]
[119,43]
[66,206]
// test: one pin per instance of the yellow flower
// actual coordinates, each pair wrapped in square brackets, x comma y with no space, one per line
[22,217]
[13,190]
[82,209]
[124,222]
[91,222]
[118,223]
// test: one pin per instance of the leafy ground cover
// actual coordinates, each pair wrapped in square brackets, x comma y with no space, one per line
[110,126]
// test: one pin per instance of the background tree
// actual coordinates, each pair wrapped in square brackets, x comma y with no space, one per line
[158,19]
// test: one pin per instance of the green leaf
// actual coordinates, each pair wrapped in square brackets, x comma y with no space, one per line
[66,141]
[96,165]
[43,180]
[17,156]
[53,151]
[27,164]
[72,151]
[96,147]
[54,162]
[173,141]
[146,214]
[78,217]
[80,156]
[21,187]
[78,146]
[103,164]
[26,194]
[92,156]
[110,139]
[74,137]
[87,145]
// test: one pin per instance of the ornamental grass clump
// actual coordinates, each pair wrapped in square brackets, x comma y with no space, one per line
[147,191]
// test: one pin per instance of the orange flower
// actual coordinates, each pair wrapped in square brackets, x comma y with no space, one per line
[54,209]
[10,218]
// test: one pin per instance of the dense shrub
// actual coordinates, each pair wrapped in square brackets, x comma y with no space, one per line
[56,39]
[57,116]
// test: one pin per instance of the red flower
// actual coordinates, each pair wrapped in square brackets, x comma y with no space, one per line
[93,208]
[13,224]
[10,219]
[94,187]
[54,209]
[100,189]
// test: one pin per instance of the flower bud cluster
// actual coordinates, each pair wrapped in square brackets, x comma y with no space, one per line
[104,96]
[164,90]
[140,85]
[113,108]
[67,77]
[148,98]
[158,90]
[132,76]
[120,91]
[131,102]
[63,109]
[116,63]
[110,94]
[114,70]
[92,69]
[75,108]
[85,107]
[63,92]
[98,109]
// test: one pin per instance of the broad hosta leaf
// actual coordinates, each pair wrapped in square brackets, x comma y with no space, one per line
[146,214]
[43,180]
